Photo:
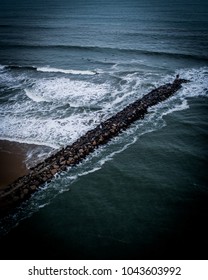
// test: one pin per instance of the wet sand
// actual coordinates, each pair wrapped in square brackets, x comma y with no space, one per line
[13,156]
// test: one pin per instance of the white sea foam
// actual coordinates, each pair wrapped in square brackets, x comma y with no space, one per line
[33,96]
[170,106]
[62,90]
[30,121]
[53,132]
[129,91]
[66,71]
[179,107]
[198,81]
[36,115]
[30,142]
[198,85]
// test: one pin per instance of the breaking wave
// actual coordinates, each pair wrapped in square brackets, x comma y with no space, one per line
[57,110]
[49,70]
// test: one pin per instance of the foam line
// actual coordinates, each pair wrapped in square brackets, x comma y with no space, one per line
[66,71]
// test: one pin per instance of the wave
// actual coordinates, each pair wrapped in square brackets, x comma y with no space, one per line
[66,71]
[55,111]
[113,50]
[2,67]
[64,90]
[33,96]
[29,27]
[30,142]
[49,69]
[199,82]
[19,67]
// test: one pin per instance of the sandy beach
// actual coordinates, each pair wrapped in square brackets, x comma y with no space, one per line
[13,157]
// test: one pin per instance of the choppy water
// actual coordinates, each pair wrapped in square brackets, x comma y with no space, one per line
[64,67]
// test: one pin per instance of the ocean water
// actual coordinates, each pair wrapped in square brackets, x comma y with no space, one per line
[65,66]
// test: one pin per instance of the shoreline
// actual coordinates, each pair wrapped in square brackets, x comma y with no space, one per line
[22,188]
[13,160]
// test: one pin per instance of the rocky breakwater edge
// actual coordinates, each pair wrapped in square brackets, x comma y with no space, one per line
[22,188]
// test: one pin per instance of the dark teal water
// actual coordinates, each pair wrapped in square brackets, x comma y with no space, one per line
[67,65]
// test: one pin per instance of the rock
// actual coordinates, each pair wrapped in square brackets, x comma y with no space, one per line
[33,187]
[63,168]
[54,171]
[69,162]
[94,143]
[25,191]
[101,139]
[49,176]
[36,183]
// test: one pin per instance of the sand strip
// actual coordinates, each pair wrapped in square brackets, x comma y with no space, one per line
[13,159]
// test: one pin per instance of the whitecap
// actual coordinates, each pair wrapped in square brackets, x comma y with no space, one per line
[34,96]
[66,71]
[67,90]
[2,67]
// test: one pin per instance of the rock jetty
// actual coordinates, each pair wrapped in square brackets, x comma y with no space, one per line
[23,187]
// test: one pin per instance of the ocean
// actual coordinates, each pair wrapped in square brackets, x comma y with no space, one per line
[65,66]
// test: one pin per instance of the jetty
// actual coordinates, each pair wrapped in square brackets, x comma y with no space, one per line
[22,188]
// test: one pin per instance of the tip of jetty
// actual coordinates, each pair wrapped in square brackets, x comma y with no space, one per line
[23,187]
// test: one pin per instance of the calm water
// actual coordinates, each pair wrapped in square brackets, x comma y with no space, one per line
[67,65]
